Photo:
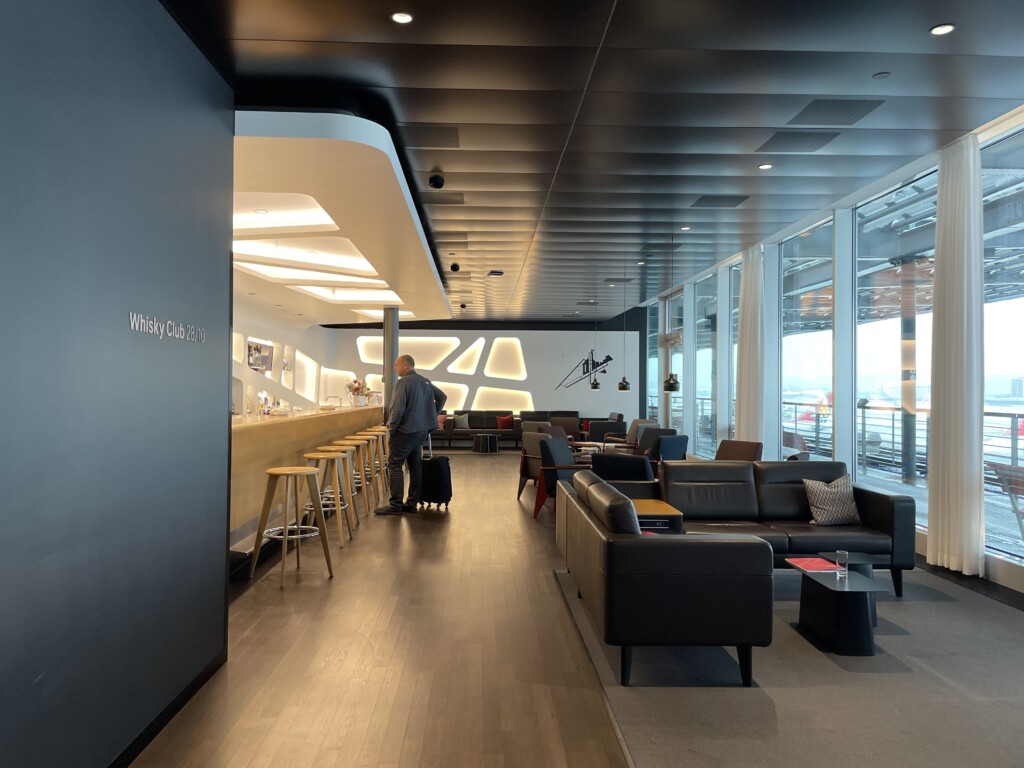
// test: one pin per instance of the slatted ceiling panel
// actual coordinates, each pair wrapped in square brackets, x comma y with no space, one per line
[680,105]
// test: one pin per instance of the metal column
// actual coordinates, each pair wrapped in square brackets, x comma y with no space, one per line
[390,355]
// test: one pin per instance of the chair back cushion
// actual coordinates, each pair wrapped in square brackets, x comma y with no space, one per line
[634,425]
[534,426]
[649,437]
[554,431]
[555,451]
[670,448]
[581,483]
[710,490]
[618,466]
[739,450]
[615,416]
[598,429]
[613,509]
[570,424]
[780,487]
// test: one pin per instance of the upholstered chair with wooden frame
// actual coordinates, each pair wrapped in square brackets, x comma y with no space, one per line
[739,450]
[569,424]
[669,448]
[627,442]
[557,463]
[530,461]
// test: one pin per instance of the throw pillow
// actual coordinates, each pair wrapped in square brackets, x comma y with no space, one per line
[506,422]
[440,420]
[462,421]
[832,503]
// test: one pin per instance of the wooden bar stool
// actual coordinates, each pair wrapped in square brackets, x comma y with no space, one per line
[359,475]
[380,463]
[386,434]
[370,465]
[296,530]
[347,456]
[328,461]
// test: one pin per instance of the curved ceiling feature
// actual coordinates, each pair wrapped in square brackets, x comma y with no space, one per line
[349,168]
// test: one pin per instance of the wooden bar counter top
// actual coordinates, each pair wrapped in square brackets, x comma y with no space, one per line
[261,442]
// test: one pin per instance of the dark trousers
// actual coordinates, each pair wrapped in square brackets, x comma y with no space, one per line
[404,448]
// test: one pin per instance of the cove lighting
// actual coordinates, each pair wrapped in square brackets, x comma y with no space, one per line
[349,295]
[279,210]
[293,274]
[336,254]
[942,29]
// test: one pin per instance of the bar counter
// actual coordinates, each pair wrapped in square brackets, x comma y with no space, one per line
[260,442]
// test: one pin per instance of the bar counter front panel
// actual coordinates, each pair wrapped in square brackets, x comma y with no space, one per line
[258,443]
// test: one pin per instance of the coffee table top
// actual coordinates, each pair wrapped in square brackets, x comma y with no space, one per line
[854,582]
[858,558]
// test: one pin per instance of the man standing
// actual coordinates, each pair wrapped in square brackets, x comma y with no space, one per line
[415,405]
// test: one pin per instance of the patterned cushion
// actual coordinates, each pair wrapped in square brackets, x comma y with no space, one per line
[832,503]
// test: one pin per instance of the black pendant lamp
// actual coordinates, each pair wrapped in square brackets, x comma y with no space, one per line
[671,384]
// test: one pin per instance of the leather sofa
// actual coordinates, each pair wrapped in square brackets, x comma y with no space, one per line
[480,423]
[767,499]
[662,590]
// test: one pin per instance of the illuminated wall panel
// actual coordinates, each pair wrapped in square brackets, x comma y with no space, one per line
[467,362]
[506,360]
[334,383]
[494,399]
[428,351]
[305,375]
[238,347]
[457,394]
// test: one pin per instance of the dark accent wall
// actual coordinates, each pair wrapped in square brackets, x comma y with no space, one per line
[115,197]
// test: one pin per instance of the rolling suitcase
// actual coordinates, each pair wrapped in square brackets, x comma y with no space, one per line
[436,481]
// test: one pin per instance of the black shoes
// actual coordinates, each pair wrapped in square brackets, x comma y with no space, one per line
[409,508]
[388,510]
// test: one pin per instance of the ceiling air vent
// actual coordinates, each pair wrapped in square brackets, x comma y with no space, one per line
[442,198]
[431,136]
[835,111]
[797,141]
[719,201]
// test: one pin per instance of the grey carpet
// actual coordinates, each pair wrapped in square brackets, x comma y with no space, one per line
[945,688]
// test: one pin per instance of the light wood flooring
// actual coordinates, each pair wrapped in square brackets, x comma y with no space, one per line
[442,641]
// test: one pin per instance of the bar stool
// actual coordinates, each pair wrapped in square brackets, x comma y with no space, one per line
[370,465]
[329,461]
[347,455]
[370,455]
[386,434]
[380,465]
[296,530]
[362,487]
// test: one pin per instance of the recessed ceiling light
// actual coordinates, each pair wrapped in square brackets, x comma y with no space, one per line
[684,229]
[764,167]
[401,18]
[641,263]
[611,285]
[942,29]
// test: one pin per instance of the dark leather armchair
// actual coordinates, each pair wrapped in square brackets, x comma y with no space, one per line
[557,463]
[739,450]
[600,429]
[616,466]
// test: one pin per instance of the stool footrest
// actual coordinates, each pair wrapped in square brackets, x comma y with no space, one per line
[294,532]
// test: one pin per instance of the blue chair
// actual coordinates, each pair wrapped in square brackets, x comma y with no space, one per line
[669,448]
[557,463]
[616,466]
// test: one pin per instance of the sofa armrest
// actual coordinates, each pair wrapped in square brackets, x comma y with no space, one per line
[688,555]
[894,514]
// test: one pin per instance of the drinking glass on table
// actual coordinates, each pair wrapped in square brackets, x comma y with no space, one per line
[843,561]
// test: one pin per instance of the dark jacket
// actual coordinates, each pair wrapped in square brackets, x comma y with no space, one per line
[415,404]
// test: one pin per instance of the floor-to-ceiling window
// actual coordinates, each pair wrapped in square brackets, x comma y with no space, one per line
[1003,190]
[675,360]
[705,363]
[653,382]
[734,336]
[807,310]
[895,267]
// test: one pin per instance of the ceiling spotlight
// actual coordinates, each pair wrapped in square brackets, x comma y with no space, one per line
[436,181]
[401,18]
[611,285]
[684,229]
[641,263]
[765,167]
[942,29]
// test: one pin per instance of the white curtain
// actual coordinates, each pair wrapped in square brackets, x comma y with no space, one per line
[956,521]
[750,349]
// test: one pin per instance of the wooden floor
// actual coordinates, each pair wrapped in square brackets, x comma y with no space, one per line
[442,641]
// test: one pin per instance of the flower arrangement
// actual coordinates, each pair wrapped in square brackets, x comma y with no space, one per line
[358,387]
